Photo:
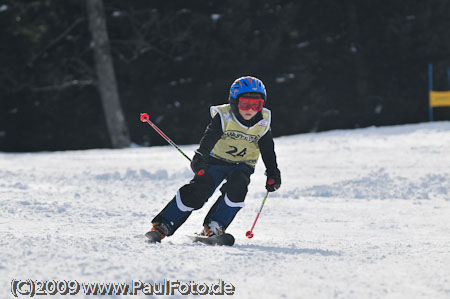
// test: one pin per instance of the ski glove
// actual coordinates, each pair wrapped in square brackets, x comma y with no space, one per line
[199,164]
[273,182]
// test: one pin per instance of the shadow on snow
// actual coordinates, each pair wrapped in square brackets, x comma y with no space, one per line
[288,250]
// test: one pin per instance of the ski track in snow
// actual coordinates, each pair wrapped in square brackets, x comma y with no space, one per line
[361,214]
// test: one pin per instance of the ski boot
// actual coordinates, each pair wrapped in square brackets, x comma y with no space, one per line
[212,229]
[157,233]
[213,234]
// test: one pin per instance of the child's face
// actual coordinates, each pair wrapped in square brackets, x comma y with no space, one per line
[247,114]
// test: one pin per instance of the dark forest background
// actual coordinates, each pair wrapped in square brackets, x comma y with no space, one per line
[326,65]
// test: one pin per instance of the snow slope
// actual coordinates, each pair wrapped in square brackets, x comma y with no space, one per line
[361,214]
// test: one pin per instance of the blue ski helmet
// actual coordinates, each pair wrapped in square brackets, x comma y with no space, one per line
[244,85]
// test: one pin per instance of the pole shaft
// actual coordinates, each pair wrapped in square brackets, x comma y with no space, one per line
[260,209]
[167,138]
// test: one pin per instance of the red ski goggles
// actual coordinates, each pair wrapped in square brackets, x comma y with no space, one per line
[249,103]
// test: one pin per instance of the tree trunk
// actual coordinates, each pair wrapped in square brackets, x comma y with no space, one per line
[107,85]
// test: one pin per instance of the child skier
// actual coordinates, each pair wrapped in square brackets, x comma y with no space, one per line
[229,149]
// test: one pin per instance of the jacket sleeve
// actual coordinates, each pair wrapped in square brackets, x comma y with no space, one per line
[267,149]
[210,137]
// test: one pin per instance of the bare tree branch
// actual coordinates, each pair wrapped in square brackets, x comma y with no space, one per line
[64,85]
[55,41]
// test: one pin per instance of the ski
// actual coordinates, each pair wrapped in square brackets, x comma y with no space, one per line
[221,240]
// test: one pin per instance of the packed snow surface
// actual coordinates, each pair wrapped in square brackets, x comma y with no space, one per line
[361,214]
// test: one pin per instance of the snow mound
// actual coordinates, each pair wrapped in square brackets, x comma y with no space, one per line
[379,184]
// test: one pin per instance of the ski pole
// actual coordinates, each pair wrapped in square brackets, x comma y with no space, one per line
[146,119]
[250,234]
